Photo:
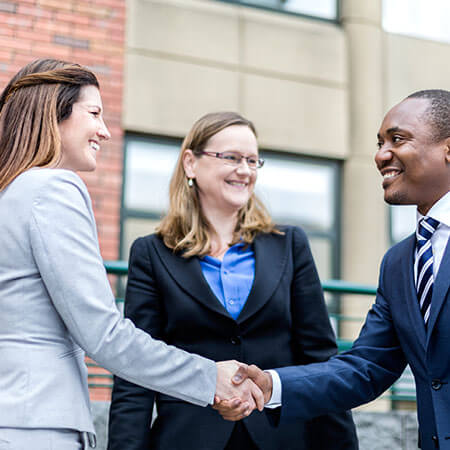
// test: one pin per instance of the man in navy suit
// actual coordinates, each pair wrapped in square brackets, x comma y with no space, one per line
[410,320]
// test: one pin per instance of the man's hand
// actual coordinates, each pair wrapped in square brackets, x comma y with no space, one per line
[235,409]
[239,399]
[262,379]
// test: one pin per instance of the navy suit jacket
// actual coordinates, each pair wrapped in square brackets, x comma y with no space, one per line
[283,322]
[393,335]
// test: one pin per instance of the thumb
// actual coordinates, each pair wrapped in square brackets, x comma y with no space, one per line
[240,375]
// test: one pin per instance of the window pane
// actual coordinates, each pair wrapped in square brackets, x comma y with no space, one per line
[320,8]
[298,192]
[420,18]
[325,9]
[149,167]
[403,222]
[134,228]
[322,253]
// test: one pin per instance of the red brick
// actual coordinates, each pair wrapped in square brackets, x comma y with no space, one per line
[53,26]
[92,10]
[43,50]
[66,5]
[15,44]
[33,10]
[6,30]
[33,36]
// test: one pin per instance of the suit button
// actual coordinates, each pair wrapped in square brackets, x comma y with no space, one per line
[435,441]
[436,385]
[235,340]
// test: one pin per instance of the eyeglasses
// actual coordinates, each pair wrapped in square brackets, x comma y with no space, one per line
[235,159]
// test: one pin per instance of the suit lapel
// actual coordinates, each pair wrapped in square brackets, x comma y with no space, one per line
[187,273]
[410,290]
[440,288]
[270,260]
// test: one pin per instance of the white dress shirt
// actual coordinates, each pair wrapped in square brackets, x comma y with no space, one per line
[439,211]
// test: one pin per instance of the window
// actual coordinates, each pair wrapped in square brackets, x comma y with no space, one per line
[302,191]
[297,191]
[323,9]
[419,18]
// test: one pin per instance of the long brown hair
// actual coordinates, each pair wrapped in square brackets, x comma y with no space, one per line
[185,228]
[34,102]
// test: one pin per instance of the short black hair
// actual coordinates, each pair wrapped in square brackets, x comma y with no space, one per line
[438,113]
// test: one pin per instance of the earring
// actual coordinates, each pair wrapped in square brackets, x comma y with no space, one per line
[190,182]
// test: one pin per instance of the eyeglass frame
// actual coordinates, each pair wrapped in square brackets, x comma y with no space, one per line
[259,161]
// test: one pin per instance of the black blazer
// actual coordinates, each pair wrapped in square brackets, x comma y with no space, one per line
[284,322]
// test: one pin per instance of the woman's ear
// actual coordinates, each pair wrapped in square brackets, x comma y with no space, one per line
[189,163]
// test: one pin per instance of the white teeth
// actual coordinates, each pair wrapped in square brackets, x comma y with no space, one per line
[390,174]
[94,145]
[236,183]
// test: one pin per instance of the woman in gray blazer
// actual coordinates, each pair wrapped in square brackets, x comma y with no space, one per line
[55,299]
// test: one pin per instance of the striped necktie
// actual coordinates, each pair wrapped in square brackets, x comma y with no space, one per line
[424,261]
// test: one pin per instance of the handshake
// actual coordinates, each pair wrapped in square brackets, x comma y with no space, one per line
[240,389]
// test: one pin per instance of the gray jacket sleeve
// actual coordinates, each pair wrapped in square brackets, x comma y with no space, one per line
[64,244]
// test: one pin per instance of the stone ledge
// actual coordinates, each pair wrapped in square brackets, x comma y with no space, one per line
[395,430]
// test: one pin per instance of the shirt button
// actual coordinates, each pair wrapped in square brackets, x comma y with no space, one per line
[235,340]
[436,384]
[231,302]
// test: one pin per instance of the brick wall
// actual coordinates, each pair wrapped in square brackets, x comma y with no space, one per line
[89,32]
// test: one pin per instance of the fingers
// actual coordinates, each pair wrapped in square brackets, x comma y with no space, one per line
[258,396]
[222,405]
[233,411]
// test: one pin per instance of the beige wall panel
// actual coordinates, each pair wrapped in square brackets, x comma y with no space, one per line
[367,11]
[295,116]
[364,223]
[414,64]
[294,46]
[166,97]
[189,28]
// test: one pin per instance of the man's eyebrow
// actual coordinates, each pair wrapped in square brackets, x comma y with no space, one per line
[392,130]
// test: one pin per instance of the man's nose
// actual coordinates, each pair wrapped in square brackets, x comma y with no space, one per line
[383,155]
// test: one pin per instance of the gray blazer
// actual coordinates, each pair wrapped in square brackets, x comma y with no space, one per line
[56,304]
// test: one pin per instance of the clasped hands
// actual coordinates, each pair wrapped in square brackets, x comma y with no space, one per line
[240,389]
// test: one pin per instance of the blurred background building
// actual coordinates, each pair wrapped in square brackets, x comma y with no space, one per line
[315,76]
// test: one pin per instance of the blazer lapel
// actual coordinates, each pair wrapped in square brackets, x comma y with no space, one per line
[440,288]
[270,260]
[410,290]
[187,273]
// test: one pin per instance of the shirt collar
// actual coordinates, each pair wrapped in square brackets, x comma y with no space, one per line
[439,211]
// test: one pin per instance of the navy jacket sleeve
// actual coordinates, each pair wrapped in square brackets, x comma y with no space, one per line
[352,378]
[315,342]
[131,405]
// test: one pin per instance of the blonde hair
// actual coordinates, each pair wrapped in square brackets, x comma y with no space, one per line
[34,102]
[185,228]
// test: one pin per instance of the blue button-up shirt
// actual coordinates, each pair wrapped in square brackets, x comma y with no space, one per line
[231,279]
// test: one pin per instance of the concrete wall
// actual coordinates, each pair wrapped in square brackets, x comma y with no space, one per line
[288,74]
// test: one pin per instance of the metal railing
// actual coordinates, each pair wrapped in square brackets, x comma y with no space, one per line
[402,390]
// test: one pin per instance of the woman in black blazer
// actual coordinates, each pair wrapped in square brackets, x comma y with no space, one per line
[219,279]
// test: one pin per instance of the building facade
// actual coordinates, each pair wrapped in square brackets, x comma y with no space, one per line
[315,77]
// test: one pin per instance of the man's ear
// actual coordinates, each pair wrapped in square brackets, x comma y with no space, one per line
[447,150]
[189,163]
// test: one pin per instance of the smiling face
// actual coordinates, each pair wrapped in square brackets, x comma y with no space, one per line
[415,168]
[220,186]
[82,132]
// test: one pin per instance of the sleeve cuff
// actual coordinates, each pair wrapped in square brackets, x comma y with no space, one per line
[275,400]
